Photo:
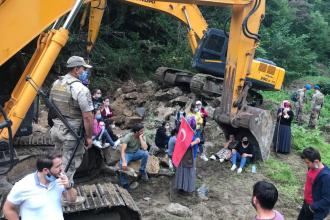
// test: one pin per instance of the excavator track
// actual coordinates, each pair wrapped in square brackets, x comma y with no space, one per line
[106,198]
[202,85]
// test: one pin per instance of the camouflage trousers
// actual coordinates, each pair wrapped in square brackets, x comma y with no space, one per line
[65,143]
[299,114]
[314,117]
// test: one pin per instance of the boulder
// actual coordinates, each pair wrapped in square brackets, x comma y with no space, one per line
[118,92]
[210,111]
[131,95]
[149,87]
[129,87]
[131,121]
[169,94]
[152,165]
[178,210]
[164,113]
[213,132]
[181,101]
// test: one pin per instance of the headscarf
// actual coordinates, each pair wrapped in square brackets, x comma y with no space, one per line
[284,102]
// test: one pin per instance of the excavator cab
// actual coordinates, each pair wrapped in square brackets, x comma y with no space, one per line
[210,56]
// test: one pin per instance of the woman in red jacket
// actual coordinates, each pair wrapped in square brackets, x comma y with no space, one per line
[106,111]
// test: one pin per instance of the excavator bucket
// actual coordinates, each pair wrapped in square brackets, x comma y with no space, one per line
[255,123]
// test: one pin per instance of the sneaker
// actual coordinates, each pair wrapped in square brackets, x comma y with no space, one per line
[97,143]
[222,160]
[239,170]
[233,167]
[204,157]
[144,176]
[105,145]
[213,157]
[117,142]
[79,200]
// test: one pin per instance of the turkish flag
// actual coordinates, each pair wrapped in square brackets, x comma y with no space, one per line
[183,141]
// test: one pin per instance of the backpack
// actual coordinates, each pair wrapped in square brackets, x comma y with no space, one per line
[319,99]
[294,96]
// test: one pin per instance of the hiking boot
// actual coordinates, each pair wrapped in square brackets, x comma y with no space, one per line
[204,157]
[144,176]
[233,167]
[79,200]
[97,143]
[213,157]
[239,170]
[222,160]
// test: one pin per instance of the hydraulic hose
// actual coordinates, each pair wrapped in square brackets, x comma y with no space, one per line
[7,124]
[246,30]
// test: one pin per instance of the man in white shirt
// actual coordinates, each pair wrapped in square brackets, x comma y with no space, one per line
[38,195]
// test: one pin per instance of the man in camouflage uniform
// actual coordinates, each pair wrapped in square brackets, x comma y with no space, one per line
[74,101]
[317,103]
[299,104]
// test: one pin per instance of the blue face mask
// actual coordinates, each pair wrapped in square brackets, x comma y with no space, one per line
[50,178]
[83,77]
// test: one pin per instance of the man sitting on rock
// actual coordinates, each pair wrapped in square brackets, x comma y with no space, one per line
[225,152]
[134,147]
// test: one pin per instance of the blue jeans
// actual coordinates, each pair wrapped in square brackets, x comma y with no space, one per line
[244,160]
[104,135]
[200,145]
[140,154]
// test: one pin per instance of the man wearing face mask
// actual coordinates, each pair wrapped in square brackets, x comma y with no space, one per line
[316,204]
[38,195]
[74,101]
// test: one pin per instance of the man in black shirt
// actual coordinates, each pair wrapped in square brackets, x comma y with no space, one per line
[243,152]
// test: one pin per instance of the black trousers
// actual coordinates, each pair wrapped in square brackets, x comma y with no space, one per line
[305,213]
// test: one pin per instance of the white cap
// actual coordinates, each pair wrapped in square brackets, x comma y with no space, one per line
[198,102]
[77,61]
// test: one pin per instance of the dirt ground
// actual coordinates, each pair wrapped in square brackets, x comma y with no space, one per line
[229,193]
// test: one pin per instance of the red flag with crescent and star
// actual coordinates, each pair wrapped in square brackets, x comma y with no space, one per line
[183,141]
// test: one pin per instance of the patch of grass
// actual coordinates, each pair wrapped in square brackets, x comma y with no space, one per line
[277,96]
[284,178]
[303,138]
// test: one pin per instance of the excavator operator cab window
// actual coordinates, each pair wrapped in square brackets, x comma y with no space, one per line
[210,56]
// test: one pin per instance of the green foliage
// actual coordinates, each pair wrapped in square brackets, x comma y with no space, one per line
[303,138]
[277,96]
[284,177]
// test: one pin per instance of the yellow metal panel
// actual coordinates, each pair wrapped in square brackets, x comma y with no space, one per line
[197,21]
[22,20]
[213,2]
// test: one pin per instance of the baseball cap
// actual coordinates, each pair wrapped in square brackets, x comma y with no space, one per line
[77,61]
[316,87]
[198,102]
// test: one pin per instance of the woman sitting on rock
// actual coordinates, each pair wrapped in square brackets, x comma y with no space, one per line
[225,152]
[244,153]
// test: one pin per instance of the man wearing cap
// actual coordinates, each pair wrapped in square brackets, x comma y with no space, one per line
[74,101]
[299,104]
[317,103]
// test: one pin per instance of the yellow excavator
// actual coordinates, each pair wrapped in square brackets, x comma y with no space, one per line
[22,21]
[220,54]
[209,47]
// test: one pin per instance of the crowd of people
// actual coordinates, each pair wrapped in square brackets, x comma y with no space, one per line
[41,192]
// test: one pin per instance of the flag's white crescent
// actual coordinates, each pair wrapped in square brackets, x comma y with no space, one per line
[183,134]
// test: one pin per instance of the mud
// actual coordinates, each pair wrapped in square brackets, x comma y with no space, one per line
[229,194]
